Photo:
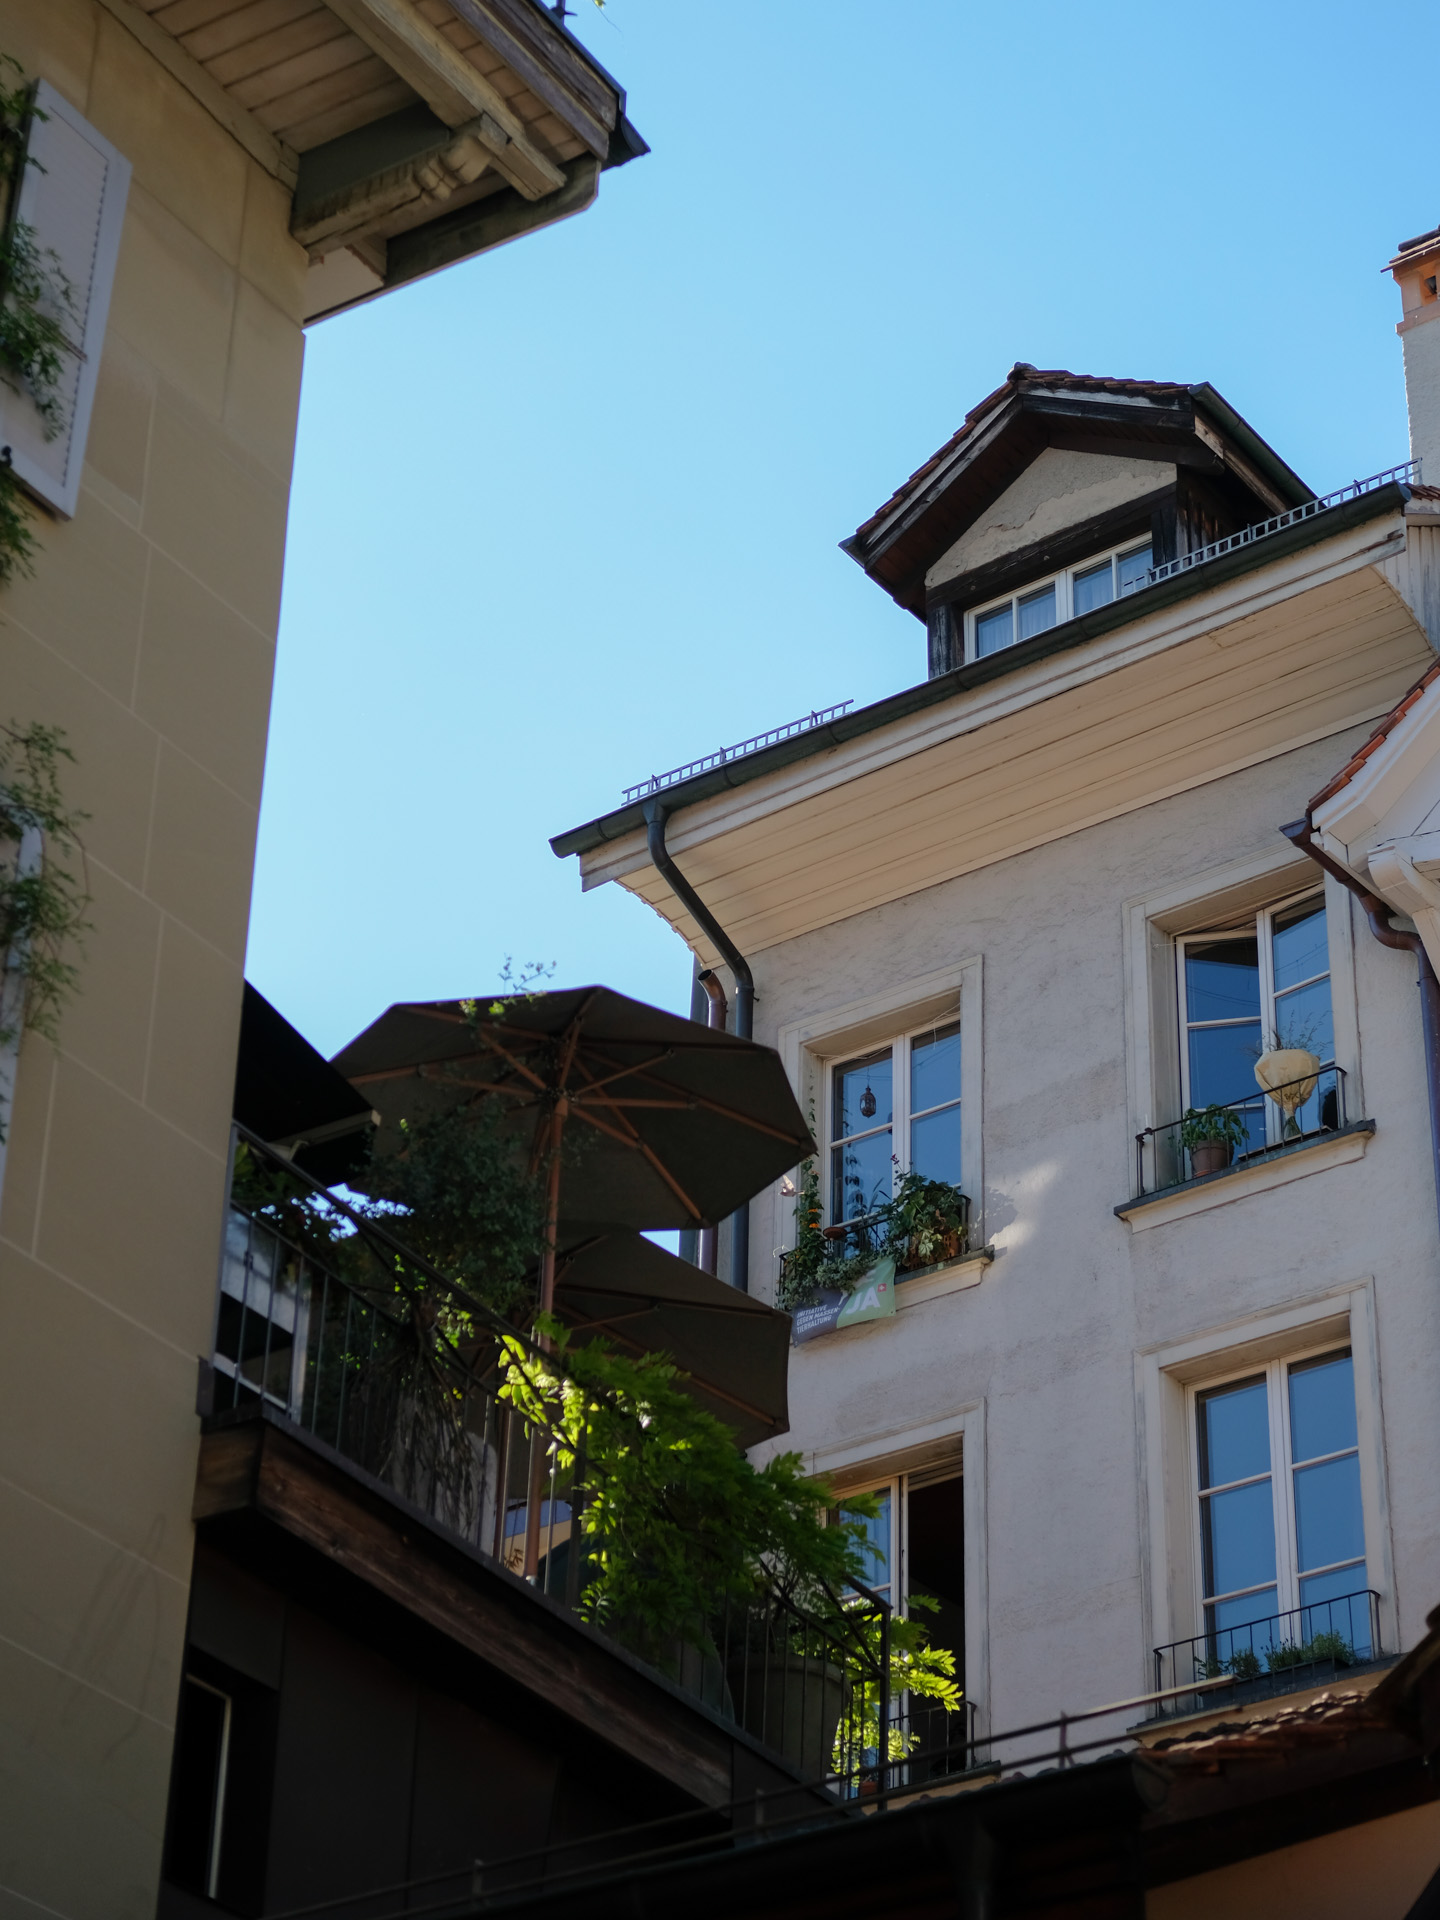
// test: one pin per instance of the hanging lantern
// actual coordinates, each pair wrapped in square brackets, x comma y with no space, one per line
[867,1102]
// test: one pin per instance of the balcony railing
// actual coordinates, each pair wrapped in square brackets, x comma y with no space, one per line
[1163,1160]
[401,1373]
[1281,1653]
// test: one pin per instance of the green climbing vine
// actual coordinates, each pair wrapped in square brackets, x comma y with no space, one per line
[36,301]
[43,898]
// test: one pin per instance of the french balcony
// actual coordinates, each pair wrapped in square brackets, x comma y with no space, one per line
[1186,1166]
[1309,1646]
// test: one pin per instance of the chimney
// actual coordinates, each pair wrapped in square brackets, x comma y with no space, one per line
[1416,268]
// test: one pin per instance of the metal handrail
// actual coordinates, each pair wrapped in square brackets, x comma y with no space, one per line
[817,717]
[347,1370]
[759,1805]
[1407,473]
[1232,1656]
[1250,1102]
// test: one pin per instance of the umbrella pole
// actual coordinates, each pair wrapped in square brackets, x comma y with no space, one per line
[547,1305]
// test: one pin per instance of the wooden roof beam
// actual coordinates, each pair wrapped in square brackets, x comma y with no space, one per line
[456,92]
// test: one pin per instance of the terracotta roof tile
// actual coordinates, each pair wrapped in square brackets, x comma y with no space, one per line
[1329,1720]
[1387,726]
[1022,374]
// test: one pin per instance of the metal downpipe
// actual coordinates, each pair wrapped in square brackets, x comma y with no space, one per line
[709,1247]
[1300,833]
[744,1000]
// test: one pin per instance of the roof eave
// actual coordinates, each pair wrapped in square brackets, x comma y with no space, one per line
[1073,633]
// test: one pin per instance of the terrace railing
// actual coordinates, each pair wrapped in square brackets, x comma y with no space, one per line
[1280,1653]
[327,1323]
[1162,1160]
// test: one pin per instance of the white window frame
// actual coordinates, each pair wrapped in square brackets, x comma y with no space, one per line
[811,1045]
[900,1115]
[1263,922]
[1165,1440]
[1276,1374]
[1064,585]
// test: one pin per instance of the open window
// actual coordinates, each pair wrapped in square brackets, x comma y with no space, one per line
[1263,982]
[916,1561]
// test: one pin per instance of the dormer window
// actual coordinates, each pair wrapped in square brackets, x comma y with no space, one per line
[1037,608]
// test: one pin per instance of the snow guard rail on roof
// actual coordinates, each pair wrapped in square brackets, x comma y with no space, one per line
[1407,474]
[817,717]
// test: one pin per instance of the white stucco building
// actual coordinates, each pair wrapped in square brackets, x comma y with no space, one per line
[1009,924]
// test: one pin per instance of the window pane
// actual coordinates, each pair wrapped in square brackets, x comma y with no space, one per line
[1037,613]
[1302,1019]
[877,1544]
[1094,588]
[1322,1407]
[1300,947]
[1133,569]
[1222,979]
[1337,1603]
[1239,1538]
[862,1084]
[1329,1525]
[994,631]
[935,1145]
[1234,1435]
[1233,1623]
[861,1175]
[935,1068]
[1222,1066]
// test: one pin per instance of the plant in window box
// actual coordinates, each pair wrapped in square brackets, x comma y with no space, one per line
[927,1221]
[1210,1136]
[1288,1070]
[819,1260]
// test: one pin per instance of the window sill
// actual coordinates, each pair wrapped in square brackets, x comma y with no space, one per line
[1278,1169]
[946,1276]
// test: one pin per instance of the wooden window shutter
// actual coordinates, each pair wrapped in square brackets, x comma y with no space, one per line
[72,193]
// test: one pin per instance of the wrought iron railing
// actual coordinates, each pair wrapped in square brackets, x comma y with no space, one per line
[1407,472]
[765,1814]
[817,717]
[400,1372]
[1163,1159]
[868,1233]
[1281,1653]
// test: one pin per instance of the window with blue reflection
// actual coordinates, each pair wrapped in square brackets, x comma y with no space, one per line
[994,631]
[1255,1595]
[1036,613]
[876,1547]
[1095,587]
[862,1149]
[935,1104]
[1133,569]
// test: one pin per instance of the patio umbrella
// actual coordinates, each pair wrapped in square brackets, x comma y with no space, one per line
[677,1124]
[641,1299]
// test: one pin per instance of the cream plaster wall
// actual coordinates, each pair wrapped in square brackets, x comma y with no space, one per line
[1054,492]
[148,635]
[1047,1342]
[1378,1869]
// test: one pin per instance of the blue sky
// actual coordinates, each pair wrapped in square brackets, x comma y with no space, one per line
[568,514]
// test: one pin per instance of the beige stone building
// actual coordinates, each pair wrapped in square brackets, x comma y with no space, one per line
[215,174]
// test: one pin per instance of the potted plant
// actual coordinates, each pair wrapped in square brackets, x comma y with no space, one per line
[1210,1136]
[927,1221]
[1287,1071]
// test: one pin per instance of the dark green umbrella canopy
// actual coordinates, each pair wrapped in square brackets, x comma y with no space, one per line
[641,1299]
[667,1123]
